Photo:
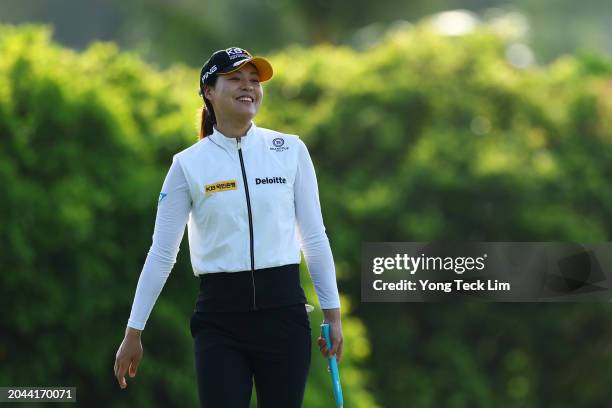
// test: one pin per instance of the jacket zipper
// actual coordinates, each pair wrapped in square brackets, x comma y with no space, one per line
[248,200]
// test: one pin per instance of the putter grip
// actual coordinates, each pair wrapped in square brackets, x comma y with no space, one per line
[333,367]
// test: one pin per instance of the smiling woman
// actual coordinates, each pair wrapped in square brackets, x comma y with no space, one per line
[235,96]
[231,76]
[250,199]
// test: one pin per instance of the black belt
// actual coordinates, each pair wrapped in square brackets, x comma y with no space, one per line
[233,291]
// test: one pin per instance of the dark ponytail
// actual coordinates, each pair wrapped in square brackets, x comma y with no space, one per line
[207,113]
[207,120]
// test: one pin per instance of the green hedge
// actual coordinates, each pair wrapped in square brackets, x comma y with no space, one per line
[421,137]
[424,137]
[86,140]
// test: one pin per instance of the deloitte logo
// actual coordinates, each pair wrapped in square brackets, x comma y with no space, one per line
[270,180]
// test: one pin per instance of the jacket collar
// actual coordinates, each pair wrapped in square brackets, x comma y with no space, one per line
[231,142]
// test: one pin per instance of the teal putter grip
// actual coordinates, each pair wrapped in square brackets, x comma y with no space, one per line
[333,367]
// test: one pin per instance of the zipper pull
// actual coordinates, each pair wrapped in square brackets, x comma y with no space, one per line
[238,141]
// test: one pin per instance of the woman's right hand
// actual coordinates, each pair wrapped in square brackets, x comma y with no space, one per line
[332,317]
[128,356]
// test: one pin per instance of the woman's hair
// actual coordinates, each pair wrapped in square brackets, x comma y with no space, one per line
[207,114]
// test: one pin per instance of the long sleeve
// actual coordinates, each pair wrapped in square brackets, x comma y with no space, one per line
[173,210]
[313,239]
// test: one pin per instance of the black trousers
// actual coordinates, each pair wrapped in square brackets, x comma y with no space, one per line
[270,347]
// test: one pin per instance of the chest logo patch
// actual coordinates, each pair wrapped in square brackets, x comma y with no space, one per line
[270,180]
[220,186]
[279,144]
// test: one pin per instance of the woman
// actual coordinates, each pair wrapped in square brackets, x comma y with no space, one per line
[250,198]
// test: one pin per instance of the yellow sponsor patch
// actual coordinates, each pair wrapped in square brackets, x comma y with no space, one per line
[220,186]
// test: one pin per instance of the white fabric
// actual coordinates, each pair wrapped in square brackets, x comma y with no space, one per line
[218,224]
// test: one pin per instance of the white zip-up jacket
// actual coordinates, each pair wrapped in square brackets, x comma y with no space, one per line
[249,203]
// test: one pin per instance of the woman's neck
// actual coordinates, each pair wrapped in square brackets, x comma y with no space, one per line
[233,128]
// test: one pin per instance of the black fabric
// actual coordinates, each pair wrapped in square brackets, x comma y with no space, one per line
[270,348]
[233,291]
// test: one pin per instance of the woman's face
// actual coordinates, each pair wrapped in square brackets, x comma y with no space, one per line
[236,95]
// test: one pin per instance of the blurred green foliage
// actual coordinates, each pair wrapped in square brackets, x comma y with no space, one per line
[86,140]
[421,137]
[431,138]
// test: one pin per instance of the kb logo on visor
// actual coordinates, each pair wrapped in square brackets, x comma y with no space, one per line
[235,52]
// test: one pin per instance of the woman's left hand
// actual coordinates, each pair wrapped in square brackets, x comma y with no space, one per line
[335,332]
